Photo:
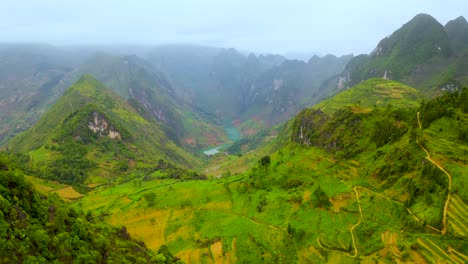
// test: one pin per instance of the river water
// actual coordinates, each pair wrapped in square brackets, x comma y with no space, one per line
[233,135]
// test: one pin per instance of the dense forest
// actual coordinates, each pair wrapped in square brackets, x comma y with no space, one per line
[39,228]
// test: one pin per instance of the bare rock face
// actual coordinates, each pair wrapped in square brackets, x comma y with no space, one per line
[386,75]
[99,124]
[342,81]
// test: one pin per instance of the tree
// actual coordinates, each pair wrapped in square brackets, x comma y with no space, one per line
[321,198]
[160,259]
[265,161]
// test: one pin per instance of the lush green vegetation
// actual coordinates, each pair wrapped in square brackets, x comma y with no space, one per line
[444,106]
[35,228]
[422,53]
[303,202]
[376,173]
[63,147]
[372,93]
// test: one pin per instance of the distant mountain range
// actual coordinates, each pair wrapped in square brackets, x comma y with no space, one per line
[367,165]
[190,89]
[183,87]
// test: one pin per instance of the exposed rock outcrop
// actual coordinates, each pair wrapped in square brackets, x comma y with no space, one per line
[99,124]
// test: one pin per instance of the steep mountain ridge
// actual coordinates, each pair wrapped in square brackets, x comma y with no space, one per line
[457,31]
[48,72]
[346,186]
[263,90]
[28,76]
[419,54]
[93,125]
[148,89]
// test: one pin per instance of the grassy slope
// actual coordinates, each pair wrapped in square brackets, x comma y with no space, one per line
[272,215]
[372,93]
[250,214]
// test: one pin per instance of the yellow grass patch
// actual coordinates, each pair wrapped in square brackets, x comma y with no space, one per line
[217,252]
[43,188]
[389,239]
[68,193]
[310,255]
[225,205]
[306,196]
[184,231]
[191,256]
[359,110]
[146,226]
[93,185]
[44,185]
[231,255]
[396,95]
[417,258]
[340,201]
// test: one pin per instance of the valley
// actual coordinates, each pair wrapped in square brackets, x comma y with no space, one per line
[196,154]
[233,135]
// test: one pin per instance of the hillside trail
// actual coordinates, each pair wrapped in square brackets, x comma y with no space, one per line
[399,203]
[358,223]
[428,157]
[353,238]
[444,221]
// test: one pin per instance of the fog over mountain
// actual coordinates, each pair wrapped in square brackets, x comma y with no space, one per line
[337,27]
[213,131]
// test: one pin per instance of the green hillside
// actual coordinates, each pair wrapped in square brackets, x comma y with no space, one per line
[139,82]
[92,131]
[416,42]
[372,93]
[35,228]
[354,186]
[422,53]
[193,154]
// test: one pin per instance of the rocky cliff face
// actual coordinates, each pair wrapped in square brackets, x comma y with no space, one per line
[334,133]
[99,125]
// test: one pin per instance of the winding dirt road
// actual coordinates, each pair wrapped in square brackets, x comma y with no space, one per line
[428,157]
[444,220]
[352,228]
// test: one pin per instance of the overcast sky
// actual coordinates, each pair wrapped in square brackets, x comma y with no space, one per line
[308,26]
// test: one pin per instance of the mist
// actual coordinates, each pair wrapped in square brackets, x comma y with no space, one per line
[285,27]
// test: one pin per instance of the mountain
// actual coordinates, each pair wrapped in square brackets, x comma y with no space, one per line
[279,93]
[205,76]
[139,82]
[385,184]
[457,31]
[33,77]
[28,76]
[376,172]
[422,53]
[92,131]
[372,93]
[183,87]
[263,90]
